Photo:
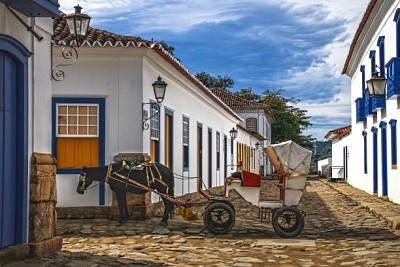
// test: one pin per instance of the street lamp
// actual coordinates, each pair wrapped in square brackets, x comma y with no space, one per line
[257,145]
[159,88]
[376,85]
[78,25]
[233,133]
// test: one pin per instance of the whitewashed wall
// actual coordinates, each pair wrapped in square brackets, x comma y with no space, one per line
[184,99]
[338,146]
[379,24]
[124,77]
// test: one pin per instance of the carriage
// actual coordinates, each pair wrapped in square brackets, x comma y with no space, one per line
[291,163]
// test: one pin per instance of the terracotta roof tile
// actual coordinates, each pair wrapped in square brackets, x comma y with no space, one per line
[338,133]
[97,37]
[358,33]
[238,103]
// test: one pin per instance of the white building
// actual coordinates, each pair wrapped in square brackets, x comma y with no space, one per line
[103,94]
[373,143]
[25,101]
[255,131]
[340,144]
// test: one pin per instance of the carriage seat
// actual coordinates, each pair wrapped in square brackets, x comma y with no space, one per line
[246,178]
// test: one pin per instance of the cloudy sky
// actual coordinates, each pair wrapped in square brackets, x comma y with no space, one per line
[297,46]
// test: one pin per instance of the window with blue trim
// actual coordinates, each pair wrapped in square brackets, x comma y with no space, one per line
[78,133]
[185,142]
[364,133]
[373,62]
[393,138]
[381,44]
[397,20]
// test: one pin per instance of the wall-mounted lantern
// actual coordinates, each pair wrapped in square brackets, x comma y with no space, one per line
[159,88]
[78,25]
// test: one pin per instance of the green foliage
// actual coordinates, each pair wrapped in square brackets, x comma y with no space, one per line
[290,122]
[169,48]
[215,82]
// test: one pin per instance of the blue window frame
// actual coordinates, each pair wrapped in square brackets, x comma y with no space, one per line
[185,143]
[364,133]
[381,45]
[393,138]
[397,20]
[373,62]
[101,127]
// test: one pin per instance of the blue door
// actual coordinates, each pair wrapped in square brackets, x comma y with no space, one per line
[8,149]
[13,142]
[382,125]
[375,159]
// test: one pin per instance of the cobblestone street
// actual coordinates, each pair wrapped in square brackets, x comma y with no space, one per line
[339,231]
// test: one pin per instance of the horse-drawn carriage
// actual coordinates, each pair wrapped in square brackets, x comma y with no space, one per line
[291,163]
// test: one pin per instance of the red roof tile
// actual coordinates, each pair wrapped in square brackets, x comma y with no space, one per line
[96,37]
[238,103]
[338,133]
[358,33]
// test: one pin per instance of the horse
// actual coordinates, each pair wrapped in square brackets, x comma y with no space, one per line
[133,178]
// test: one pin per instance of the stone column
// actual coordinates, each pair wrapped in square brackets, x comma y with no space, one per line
[42,206]
[140,206]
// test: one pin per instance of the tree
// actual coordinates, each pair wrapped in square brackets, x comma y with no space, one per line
[169,49]
[215,82]
[290,122]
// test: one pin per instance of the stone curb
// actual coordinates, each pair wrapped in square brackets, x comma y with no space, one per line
[390,212]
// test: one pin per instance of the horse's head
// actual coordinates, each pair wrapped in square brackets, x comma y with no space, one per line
[84,182]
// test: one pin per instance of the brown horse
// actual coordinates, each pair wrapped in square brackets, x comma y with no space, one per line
[120,176]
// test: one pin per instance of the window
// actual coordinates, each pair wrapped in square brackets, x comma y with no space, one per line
[154,123]
[218,149]
[154,133]
[381,44]
[397,20]
[78,133]
[185,142]
[251,124]
[364,133]
[393,137]
[373,64]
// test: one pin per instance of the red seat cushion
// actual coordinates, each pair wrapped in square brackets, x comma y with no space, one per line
[251,179]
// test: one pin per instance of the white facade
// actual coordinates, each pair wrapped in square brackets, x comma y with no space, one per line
[123,76]
[25,85]
[340,157]
[372,138]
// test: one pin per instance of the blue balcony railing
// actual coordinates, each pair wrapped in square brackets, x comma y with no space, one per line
[367,104]
[360,110]
[378,103]
[393,75]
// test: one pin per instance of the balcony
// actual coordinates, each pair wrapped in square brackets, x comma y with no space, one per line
[360,110]
[367,104]
[377,103]
[393,75]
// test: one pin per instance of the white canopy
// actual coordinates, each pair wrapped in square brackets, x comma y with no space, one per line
[293,158]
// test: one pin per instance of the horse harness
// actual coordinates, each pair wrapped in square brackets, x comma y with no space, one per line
[151,178]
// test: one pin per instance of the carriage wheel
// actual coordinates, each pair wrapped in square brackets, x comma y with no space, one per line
[288,221]
[219,218]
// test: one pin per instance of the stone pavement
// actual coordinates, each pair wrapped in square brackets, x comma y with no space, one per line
[339,231]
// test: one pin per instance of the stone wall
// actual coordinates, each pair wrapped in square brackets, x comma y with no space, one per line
[140,206]
[42,206]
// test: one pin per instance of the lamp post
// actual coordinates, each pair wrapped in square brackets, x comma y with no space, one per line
[233,134]
[159,88]
[78,25]
[376,85]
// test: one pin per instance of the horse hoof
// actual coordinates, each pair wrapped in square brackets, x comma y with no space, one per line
[118,224]
[163,223]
